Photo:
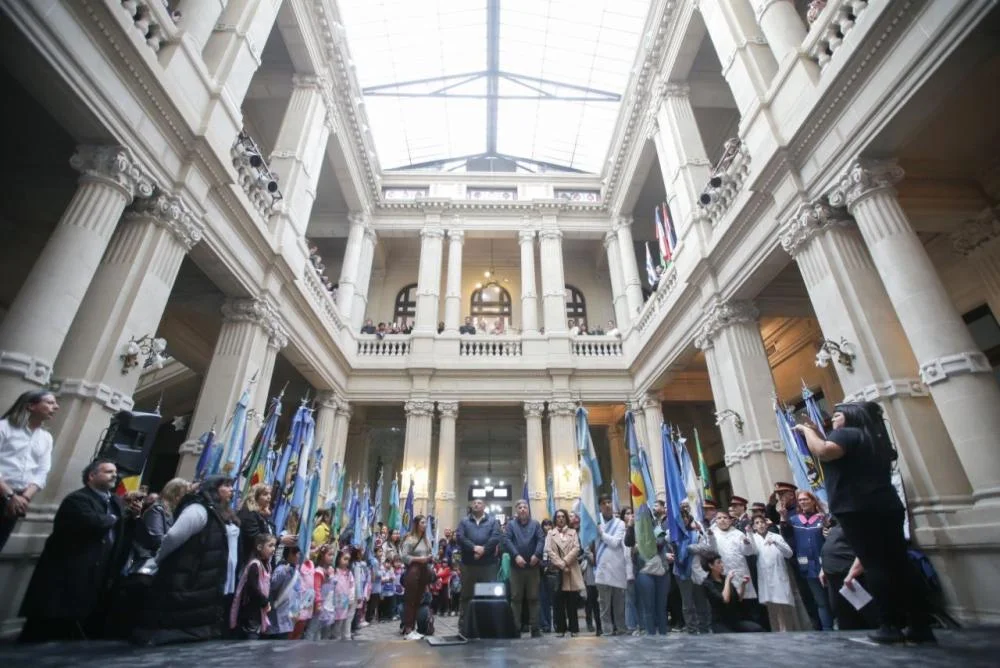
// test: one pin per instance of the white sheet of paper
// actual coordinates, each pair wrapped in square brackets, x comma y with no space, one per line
[858,597]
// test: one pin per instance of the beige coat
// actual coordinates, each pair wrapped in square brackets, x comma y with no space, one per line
[562,549]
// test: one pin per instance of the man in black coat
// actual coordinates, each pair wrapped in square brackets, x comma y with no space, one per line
[69,593]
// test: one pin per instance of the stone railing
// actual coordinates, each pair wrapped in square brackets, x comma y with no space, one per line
[489,346]
[590,345]
[154,21]
[655,302]
[258,181]
[390,345]
[321,298]
[727,180]
[830,28]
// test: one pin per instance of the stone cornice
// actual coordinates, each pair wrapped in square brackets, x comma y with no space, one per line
[720,315]
[453,206]
[809,221]
[115,165]
[171,214]
[863,178]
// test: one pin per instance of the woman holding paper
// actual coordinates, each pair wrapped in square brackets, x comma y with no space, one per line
[857,461]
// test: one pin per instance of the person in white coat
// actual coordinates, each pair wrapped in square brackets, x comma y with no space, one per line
[610,575]
[774,587]
[733,546]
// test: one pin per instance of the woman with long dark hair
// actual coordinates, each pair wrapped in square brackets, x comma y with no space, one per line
[25,455]
[857,461]
[417,553]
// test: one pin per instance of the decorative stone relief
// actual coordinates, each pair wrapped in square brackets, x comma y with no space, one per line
[419,408]
[940,369]
[721,315]
[25,366]
[534,409]
[448,409]
[444,495]
[261,313]
[114,164]
[745,450]
[99,393]
[170,213]
[432,233]
[562,408]
[863,178]
[809,221]
[894,387]
[976,233]
[526,236]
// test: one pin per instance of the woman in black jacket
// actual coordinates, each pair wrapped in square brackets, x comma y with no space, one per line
[255,520]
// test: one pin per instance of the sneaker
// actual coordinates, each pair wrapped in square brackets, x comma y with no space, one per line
[887,635]
[414,636]
[536,633]
[638,633]
[363,624]
[919,636]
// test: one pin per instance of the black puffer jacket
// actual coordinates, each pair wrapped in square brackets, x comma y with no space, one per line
[185,601]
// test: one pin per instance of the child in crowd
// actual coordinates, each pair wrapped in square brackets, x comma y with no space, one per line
[248,613]
[455,587]
[361,581]
[441,586]
[321,576]
[387,577]
[397,581]
[303,598]
[425,615]
[337,604]
[375,585]
[284,607]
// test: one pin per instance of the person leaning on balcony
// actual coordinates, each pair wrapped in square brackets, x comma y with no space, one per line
[573,329]
[369,327]
[612,329]
[468,327]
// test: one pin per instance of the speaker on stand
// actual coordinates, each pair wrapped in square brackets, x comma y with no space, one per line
[129,440]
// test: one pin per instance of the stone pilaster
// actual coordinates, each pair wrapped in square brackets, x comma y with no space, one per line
[445,505]
[198,19]
[363,282]
[781,25]
[125,302]
[622,316]
[683,160]
[35,327]
[359,223]
[652,423]
[453,289]
[553,280]
[564,463]
[529,298]
[958,374]
[233,51]
[429,280]
[743,390]
[533,411]
[851,304]
[630,268]
[417,450]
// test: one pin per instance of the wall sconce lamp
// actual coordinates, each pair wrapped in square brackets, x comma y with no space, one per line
[842,353]
[720,417]
[149,346]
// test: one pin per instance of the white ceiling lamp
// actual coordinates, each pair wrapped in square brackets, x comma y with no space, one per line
[491,274]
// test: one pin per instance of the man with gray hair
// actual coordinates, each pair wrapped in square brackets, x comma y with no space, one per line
[524,542]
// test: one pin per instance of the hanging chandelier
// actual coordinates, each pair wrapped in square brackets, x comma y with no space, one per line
[491,274]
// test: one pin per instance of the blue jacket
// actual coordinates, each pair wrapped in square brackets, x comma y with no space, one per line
[485,533]
[805,536]
[524,541]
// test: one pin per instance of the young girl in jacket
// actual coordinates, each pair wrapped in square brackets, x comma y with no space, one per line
[303,599]
[284,582]
[248,613]
[340,598]
[324,561]
[442,583]
[397,583]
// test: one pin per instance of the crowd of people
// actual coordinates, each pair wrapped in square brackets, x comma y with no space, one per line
[317,263]
[473,326]
[186,564]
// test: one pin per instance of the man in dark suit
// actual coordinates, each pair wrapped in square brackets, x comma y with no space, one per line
[70,590]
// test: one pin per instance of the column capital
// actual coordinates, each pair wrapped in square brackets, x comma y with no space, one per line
[362,218]
[610,238]
[976,233]
[259,312]
[720,315]
[534,409]
[456,236]
[808,222]
[564,408]
[418,408]
[550,233]
[864,178]
[645,402]
[431,232]
[448,409]
[115,165]
[170,213]
[526,237]
[620,222]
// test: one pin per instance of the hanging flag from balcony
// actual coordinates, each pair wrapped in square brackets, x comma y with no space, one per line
[661,239]
[668,227]
[651,276]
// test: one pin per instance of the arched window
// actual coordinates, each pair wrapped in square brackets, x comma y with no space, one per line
[405,309]
[491,301]
[576,305]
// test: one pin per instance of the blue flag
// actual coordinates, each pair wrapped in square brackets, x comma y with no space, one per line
[395,520]
[590,480]
[676,495]
[524,493]
[550,497]
[408,509]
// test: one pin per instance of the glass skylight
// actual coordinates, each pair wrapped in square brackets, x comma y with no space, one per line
[560,71]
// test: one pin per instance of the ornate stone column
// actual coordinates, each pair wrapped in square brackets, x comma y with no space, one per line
[326,433]
[553,280]
[359,222]
[529,298]
[743,389]
[747,62]
[564,463]
[300,149]
[243,360]
[363,282]
[198,19]
[959,376]
[445,507]
[429,280]
[979,241]
[683,160]
[782,26]
[453,290]
[622,316]
[125,302]
[652,437]
[232,53]
[630,269]
[34,329]
[533,411]
[417,450]
[851,304]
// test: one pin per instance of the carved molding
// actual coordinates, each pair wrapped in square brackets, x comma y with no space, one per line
[864,178]
[170,213]
[550,234]
[448,409]
[673,89]
[192,447]
[115,165]
[721,315]
[534,409]
[807,223]
[259,312]
[975,234]
[431,233]
[610,237]
[26,366]
[745,450]
[942,368]
[419,408]
[99,393]
[456,236]
[538,495]
[562,408]
[890,389]
[526,236]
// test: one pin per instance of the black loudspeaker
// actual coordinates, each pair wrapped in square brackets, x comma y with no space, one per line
[129,440]
[490,615]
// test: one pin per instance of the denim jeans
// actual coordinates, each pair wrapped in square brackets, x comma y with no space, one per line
[822,604]
[652,592]
[545,604]
[631,609]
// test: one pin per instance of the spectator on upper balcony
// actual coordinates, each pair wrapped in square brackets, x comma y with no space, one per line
[406,328]
[597,331]
[468,327]
[395,329]
[613,329]
[573,329]
[498,327]
[440,326]
[481,325]
[582,329]
[381,330]
[369,328]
